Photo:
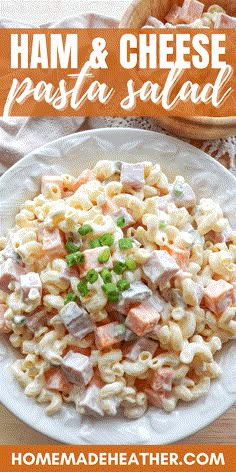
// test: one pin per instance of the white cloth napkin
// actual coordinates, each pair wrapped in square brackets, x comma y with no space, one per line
[21,135]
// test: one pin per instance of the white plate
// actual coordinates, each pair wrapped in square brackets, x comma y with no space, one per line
[71,154]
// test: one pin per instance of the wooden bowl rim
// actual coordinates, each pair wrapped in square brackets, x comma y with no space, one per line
[213,120]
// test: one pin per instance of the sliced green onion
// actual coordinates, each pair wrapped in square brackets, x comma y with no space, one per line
[71,260]
[120,222]
[82,288]
[71,247]
[119,267]
[178,190]
[85,229]
[125,243]
[162,224]
[94,243]
[91,276]
[119,330]
[131,264]
[104,256]
[109,288]
[113,297]
[80,257]
[19,320]
[70,297]
[111,292]
[75,258]
[106,240]
[123,285]
[106,275]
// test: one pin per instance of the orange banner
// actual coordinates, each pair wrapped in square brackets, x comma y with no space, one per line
[119,72]
[196,458]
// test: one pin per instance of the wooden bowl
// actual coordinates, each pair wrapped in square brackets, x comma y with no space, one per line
[188,127]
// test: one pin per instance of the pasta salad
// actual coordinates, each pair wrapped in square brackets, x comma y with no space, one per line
[117,288]
[192,15]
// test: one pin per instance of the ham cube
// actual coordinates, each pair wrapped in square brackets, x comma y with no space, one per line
[10,271]
[218,296]
[54,180]
[91,261]
[29,281]
[133,350]
[143,318]
[96,379]
[137,292]
[160,267]
[77,368]
[162,379]
[190,11]
[123,213]
[106,336]
[173,15]
[68,273]
[55,380]
[36,320]
[82,350]
[9,253]
[132,176]
[77,320]
[53,243]
[155,398]
[3,326]
[182,194]
[85,176]
[180,255]
[224,21]
[90,401]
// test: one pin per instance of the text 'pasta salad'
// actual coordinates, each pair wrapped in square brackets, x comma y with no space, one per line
[118,289]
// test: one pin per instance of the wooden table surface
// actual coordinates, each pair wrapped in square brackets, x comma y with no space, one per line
[222,431]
